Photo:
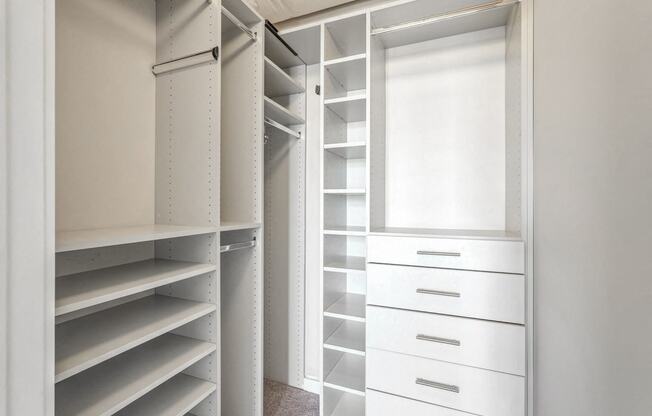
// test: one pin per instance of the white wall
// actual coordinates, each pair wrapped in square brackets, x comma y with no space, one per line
[593,207]
[26,207]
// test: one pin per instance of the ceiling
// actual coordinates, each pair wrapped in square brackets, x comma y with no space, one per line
[279,10]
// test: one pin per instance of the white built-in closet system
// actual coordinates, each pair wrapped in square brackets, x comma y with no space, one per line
[423,182]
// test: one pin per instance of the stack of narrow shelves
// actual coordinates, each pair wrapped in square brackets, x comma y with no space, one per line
[121,340]
[344,220]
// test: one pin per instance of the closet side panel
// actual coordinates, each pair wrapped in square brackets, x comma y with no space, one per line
[105,117]
[376,145]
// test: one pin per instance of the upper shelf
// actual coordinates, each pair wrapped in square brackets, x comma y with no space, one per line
[104,237]
[236,226]
[350,71]
[348,150]
[464,20]
[278,82]
[447,233]
[279,53]
[350,108]
[280,114]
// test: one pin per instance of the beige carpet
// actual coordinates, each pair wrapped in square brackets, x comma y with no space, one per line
[283,400]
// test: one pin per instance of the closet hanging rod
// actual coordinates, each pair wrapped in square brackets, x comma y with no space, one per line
[186,61]
[467,11]
[239,24]
[281,127]
[237,246]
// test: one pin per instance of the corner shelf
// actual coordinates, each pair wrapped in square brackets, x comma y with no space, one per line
[113,385]
[280,114]
[82,290]
[278,82]
[105,237]
[349,306]
[92,339]
[175,397]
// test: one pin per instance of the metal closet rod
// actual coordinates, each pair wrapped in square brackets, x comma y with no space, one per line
[283,128]
[239,24]
[467,11]
[188,60]
[238,246]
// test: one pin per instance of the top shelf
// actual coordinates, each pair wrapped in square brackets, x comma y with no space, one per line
[278,53]
[105,237]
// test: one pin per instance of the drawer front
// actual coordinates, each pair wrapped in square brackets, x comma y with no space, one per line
[493,296]
[381,404]
[483,255]
[490,345]
[459,387]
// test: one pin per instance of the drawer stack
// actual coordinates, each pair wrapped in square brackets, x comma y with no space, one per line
[445,326]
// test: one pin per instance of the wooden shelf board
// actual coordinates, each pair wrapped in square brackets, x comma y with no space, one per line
[345,264]
[348,375]
[111,386]
[237,225]
[354,230]
[350,71]
[175,397]
[280,114]
[82,290]
[345,191]
[278,82]
[349,337]
[447,233]
[348,150]
[350,306]
[92,339]
[279,53]
[105,237]
[349,405]
[350,108]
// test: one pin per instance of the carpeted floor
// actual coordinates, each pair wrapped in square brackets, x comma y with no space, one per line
[283,400]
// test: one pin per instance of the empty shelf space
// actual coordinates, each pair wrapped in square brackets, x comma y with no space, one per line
[278,82]
[82,290]
[280,114]
[345,191]
[350,108]
[356,230]
[349,405]
[87,341]
[109,387]
[447,233]
[347,375]
[345,264]
[348,337]
[278,53]
[104,237]
[348,150]
[175,397]
[350,306]
[237,225]
[350,72]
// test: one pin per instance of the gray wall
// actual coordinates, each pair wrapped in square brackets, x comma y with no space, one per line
[593,207]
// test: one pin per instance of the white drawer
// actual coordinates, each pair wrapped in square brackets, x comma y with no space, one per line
[381,404]
[469,389]
[491,345]
[448,253]
[494,296]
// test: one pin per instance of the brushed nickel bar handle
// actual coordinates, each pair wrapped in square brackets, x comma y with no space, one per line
[436,385]
[430,338]
[439,293]
[438,253]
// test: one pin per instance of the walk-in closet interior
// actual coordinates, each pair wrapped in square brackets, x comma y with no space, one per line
[339,206]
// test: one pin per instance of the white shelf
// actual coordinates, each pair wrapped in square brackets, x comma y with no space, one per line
[355,230]
[447,233]
[278,53]
[348,150]
[175,397]
[237,226]
[87,341]
[345,264]
[350,108]
[348,337]
[280,114]
[83,290]
[109,387]
[350,71]
[350,306]
[349,405]
[348,375]
[278,82]
[281,128]
[104,237]
[350,191]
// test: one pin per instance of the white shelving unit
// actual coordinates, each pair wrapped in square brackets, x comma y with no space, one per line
[345,134]
[280,114]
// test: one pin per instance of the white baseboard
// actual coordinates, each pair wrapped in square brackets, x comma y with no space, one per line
[311,385]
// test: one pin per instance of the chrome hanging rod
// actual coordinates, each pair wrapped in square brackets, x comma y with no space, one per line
[237,246]
[239,24]
[186,61]
[281,127]
[445,16]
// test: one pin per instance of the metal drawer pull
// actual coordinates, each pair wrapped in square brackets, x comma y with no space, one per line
[435,385]
[438,253]
[438,293]
[422,337]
